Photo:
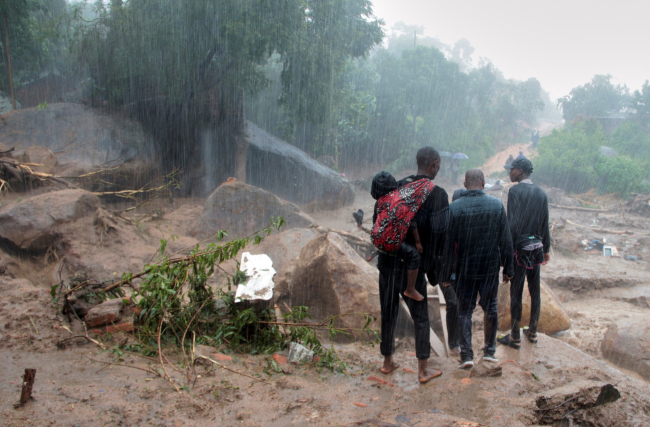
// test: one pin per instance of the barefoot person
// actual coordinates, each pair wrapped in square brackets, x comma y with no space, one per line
[383,184]
[431,220]
[477,244]
[528,219]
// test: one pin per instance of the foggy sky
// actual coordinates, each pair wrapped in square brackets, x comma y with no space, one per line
[562,43]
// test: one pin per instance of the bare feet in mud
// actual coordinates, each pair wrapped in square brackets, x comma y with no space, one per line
[413,295]
[389,365]
[427,374]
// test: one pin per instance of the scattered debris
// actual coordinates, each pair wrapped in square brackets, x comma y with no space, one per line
[299,353]
[483,370]
[565,402]
[28,383]
[260,272]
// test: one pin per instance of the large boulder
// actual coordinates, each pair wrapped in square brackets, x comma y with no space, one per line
[628,346]
[34,222]
[331,279]
[285,170]
[552,318]
[42,156]
[284,246]
[241,209]
[78,136]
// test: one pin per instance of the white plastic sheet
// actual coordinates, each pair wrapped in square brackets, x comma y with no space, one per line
[260,272]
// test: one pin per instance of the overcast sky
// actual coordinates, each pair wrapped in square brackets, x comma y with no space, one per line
[562,43]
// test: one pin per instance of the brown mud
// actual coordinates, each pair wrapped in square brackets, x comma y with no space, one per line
[71,389]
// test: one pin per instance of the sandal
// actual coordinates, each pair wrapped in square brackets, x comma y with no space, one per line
[532,336]
[509,341]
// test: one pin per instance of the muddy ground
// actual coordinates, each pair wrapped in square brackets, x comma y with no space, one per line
[73,389]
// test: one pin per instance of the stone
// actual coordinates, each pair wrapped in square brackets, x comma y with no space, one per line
[483,370]
[122,327]
[42,156]
[552,319]
[285,170]
[241,209]
[282,280]
[105,313]
[79,136]
[33,223]
[331,279]
[628,345]
[284,246]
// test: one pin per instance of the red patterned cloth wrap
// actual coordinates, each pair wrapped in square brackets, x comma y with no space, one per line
[395,211]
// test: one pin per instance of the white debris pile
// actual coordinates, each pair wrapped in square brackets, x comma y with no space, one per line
[260,272]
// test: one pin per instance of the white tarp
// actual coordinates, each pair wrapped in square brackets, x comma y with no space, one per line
[260,272]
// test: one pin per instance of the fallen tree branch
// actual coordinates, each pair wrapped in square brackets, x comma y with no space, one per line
[232,370]
[576,208]
[601,230]
[125,365]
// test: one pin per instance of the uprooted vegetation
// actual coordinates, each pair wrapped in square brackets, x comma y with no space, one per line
[175,310]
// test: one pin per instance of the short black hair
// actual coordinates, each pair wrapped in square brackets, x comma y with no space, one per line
[426,156]
[382,184]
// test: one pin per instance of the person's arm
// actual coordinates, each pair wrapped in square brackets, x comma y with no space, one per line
[505,248]
[513,214]
[546,234]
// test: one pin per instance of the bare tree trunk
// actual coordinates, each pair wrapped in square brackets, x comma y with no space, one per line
[11,79]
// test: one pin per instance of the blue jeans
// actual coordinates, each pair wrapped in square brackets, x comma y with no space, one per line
[467,289]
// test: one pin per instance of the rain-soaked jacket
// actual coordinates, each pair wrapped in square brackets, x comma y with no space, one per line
[528,213]
[479,240]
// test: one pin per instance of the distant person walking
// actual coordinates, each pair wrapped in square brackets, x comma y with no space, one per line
[535,138]
[432,219]
[478,243]
[528,219]
[510,160]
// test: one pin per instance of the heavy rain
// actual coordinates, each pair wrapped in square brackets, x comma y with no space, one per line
[324,212]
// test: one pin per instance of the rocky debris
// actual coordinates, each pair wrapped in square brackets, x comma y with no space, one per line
[553,318]
[241,209]
[42,156]
[640,301]
[105,313]
[282,280]
[78,136]
[285,170]
[572,401]
[284,246]
[628,346]
[638,204]
[332,279]
[557,196]
[34,223]
[483,370]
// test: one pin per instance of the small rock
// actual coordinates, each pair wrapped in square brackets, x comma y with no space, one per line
[631,258]
[360,405]
[122,327]
[280,359]
[483,370]
[104,313]
[221,357]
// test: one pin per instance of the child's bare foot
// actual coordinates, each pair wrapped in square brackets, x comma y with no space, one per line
[389,365]
[413,294]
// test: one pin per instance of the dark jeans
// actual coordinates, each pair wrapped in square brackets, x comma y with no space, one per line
[453,332]
[517,292]
[392,283]
[467,290]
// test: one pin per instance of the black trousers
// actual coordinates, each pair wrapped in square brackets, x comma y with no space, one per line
[517,292]
[392,283]
[453,331]
[468,289]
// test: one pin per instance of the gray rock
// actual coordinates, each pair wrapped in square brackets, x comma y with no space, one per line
[288,172]
[628,346]
[105,313]
[78,136]
[42,156]
[284,246]
[32,223]
[241,209]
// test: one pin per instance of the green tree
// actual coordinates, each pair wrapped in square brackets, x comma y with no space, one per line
[594,99]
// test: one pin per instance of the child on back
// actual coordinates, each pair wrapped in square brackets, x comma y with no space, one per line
[382,184]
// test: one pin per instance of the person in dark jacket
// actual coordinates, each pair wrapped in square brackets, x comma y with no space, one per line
[432,219]
[528,219]
[478,243]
